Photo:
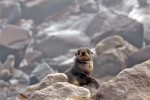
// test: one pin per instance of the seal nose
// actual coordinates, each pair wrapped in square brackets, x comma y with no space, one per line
[83,53]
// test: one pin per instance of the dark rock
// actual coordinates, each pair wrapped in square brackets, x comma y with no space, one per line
[111,3]
[107,64]
[32,56]
[18,54]
[61,42]
[112,61]
[143,3]
[89,6]
[22,77]
[45,7]
[138,57]
[16,33]
[111,23]
[130,84]
[6,69]
[40,72]
[10,11]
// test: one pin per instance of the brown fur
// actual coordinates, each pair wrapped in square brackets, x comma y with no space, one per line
[80,73]
[108,43]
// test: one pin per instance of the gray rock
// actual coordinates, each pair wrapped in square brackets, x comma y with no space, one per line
[41,71]
[46,82]
[138,57]
[61,91]
[10,11]
[130,84]
[142,15]
[46,7]
[22,77]
[122,6]
[112,61]
[89,6]
[58,43]
[108,23]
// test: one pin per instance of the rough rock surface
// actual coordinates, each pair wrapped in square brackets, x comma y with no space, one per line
[54,86]
[141,14]
[112,61]
[110,22]
[61,42]
[138,57]
[61,91]
[40,72]
[47,7]
[123,6]
[130,84]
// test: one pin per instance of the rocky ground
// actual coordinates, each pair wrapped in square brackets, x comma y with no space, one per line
[38,39]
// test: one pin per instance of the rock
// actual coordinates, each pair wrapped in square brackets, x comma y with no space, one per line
[107,23]
[130,84]
[62,62]
[46,7]
[3,96]
[10,11]
[138,57]
[16,33]
[61,91]
[65,65]
[143,3]
[7,90]
[112,61]
[122,6]
[89,6]
[41,71]
[32,56]
[61,42]
[111,3]
[18,53]
[22,77]
[6,69]
[142,15]
[46,82]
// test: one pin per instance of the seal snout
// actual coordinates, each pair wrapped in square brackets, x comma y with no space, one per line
[84,54]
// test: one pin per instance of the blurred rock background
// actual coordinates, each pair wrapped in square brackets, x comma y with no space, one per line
[43,35]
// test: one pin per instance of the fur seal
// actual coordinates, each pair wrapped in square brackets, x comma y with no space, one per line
[80,73]
[108,43]
[6,69]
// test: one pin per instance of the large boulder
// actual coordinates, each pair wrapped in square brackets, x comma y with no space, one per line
[18,53]
[54,86]
[130,84]
[107,23]
[61,91]
[138,57]
[123,6]
[38,10]
[142,15]
[111,57]
[12,34]
[60,42]
[41,71]
[10,11]
[47,81]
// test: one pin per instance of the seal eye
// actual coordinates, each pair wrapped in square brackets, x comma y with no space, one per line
[88,51]
[78,52]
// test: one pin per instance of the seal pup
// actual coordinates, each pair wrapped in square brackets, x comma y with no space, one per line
[80,73]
